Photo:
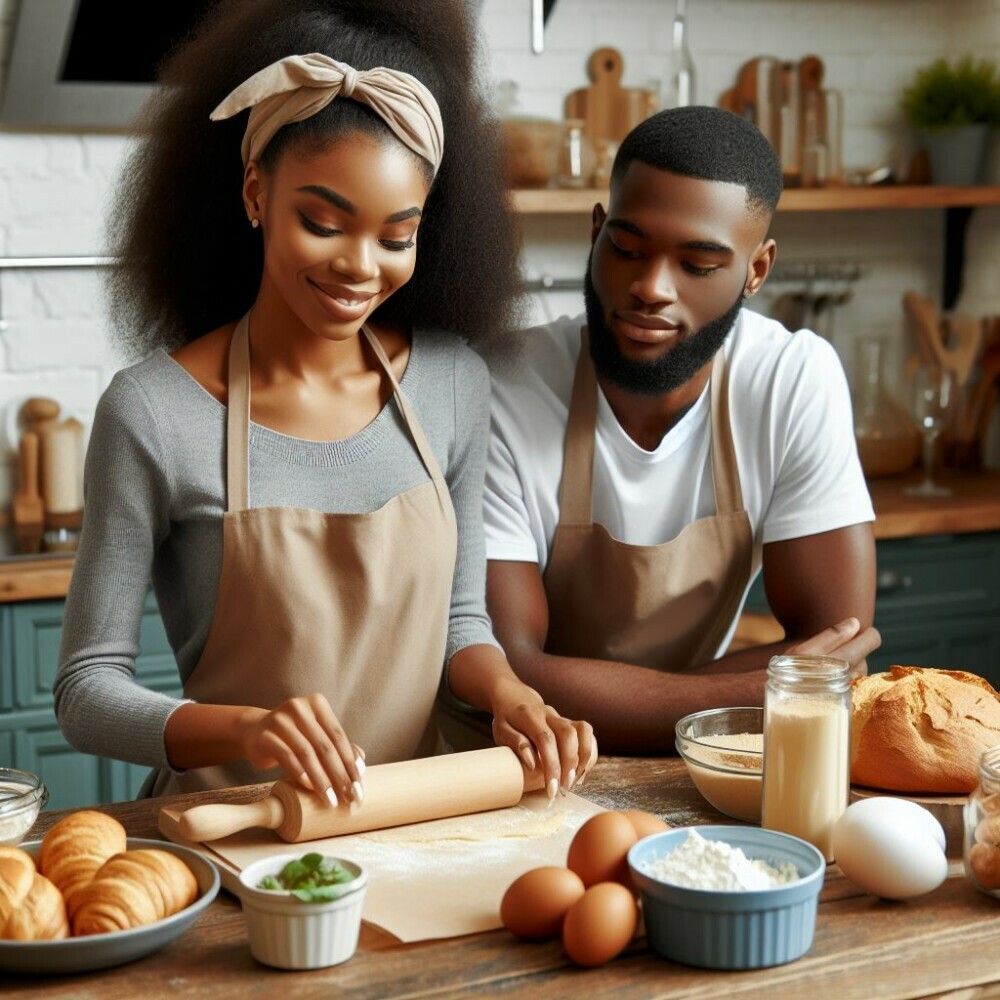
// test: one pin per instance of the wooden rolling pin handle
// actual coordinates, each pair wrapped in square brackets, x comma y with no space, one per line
[212,822]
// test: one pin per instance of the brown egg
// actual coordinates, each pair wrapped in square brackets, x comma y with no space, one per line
[598,850]
[645,823]
[600,924]
[536,902]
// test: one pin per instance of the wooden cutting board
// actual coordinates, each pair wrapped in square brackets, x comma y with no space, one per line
[437,879]
[947,809]
[608,110]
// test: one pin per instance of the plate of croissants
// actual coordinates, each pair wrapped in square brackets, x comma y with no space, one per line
[87,896]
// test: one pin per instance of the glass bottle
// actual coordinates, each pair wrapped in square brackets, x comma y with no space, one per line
[681,91]
[807,746]
[576,156]
[888,443]
[981,849]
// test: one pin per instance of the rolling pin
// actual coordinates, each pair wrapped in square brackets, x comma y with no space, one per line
[410,791]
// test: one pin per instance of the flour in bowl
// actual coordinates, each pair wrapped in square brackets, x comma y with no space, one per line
[713,864]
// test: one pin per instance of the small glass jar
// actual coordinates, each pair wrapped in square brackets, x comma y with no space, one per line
[807,746]
[576,156]
[982,827]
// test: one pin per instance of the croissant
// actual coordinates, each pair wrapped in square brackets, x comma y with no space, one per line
[31,907]
[131,889]
[75,847]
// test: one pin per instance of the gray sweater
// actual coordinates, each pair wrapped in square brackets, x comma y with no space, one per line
[154,498]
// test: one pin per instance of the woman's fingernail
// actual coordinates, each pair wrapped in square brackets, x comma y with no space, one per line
[527,757]
[332,796]
[552,787]
[359,763]
[359,792]
[571,779]
[581,779]
[304,780]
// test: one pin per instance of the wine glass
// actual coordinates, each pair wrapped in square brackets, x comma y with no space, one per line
[931,394]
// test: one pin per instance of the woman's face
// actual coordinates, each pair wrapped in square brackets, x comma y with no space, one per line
[339,229]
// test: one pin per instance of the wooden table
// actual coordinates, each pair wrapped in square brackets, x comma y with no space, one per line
[944,944]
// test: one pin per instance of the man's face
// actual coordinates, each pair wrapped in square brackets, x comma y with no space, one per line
[666,276]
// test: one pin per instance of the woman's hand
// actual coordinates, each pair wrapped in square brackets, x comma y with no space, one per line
[305,739]
[564,750]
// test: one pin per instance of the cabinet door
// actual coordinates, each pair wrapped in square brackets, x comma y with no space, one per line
[72,779]
[29,734]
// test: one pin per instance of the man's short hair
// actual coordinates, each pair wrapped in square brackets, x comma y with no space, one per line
[708,143]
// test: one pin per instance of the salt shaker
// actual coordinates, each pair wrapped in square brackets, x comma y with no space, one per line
[807,746]
[981,850]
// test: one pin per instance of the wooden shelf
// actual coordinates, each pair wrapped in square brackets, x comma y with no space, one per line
[573,201]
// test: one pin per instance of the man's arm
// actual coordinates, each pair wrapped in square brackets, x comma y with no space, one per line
[811,583]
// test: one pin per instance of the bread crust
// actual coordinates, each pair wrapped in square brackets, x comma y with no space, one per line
[922,730]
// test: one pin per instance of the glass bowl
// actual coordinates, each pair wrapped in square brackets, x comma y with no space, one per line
[22,797]
[723,750]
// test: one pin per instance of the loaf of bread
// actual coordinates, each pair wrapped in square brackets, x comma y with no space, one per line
[76,847]
[921,730]
[131,889]
[31,907]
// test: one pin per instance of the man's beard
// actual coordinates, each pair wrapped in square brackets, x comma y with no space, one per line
[664,374]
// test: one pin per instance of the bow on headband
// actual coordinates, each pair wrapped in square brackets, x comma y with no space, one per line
[297,87]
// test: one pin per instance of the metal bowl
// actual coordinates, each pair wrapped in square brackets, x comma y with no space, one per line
[22,797]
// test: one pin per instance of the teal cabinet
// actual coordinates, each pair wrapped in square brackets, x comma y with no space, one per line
[30,738]
[937,603]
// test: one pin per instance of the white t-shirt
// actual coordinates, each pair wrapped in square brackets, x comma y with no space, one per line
[792,429]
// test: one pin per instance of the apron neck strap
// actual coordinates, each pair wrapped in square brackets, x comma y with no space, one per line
[576,488]
[725,472]
[581,425]
[238,417]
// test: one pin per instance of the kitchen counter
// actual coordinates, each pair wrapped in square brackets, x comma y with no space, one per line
[863,947]
[28,573]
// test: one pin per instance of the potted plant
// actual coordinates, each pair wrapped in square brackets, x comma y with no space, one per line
[952,107]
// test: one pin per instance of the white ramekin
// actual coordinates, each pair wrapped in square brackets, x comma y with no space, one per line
[286,933]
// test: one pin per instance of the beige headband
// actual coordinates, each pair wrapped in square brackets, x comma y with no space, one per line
[296,87]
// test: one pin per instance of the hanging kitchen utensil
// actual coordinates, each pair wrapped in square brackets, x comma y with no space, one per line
[609,110]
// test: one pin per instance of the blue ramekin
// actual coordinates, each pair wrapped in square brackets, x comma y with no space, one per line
[730,930]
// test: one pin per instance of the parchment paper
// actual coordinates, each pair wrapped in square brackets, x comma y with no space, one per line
[446,877]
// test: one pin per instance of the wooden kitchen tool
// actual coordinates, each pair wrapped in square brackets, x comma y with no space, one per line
[409,791]
[27,506]
[609,111]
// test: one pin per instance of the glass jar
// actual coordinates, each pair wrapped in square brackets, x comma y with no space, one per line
[576,156]
[981,849]
[807,746]
[888,442]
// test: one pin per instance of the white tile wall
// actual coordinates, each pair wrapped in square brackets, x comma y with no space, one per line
[54,188]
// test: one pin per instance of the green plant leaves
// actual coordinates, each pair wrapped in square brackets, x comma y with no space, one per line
[945,95]
[312,878]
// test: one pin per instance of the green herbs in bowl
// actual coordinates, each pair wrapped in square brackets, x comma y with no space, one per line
[312,878]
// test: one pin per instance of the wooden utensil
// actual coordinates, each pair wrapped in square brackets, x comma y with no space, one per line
[965,335]
[27,505]
[410,791]
[609,110]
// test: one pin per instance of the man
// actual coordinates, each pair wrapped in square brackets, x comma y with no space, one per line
[647,461]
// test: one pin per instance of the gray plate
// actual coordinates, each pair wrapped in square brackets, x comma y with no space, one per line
[100,951]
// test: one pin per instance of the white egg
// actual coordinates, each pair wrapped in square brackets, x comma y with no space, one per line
[889,852]
[901,812]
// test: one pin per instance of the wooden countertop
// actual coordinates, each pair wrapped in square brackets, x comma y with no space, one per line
[974,506]
[863,947]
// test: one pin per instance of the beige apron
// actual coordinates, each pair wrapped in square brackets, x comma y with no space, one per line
[354,606]
[667,606]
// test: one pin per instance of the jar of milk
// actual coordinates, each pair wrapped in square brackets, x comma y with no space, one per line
[807,746]
[982,826]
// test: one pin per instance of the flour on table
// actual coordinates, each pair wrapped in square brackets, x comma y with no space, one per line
[524,821]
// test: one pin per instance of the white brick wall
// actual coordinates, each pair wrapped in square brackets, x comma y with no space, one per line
[54,188]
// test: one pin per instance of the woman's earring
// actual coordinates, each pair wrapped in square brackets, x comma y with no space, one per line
[255,223]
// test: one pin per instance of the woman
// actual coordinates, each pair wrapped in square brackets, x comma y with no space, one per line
[302,477]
